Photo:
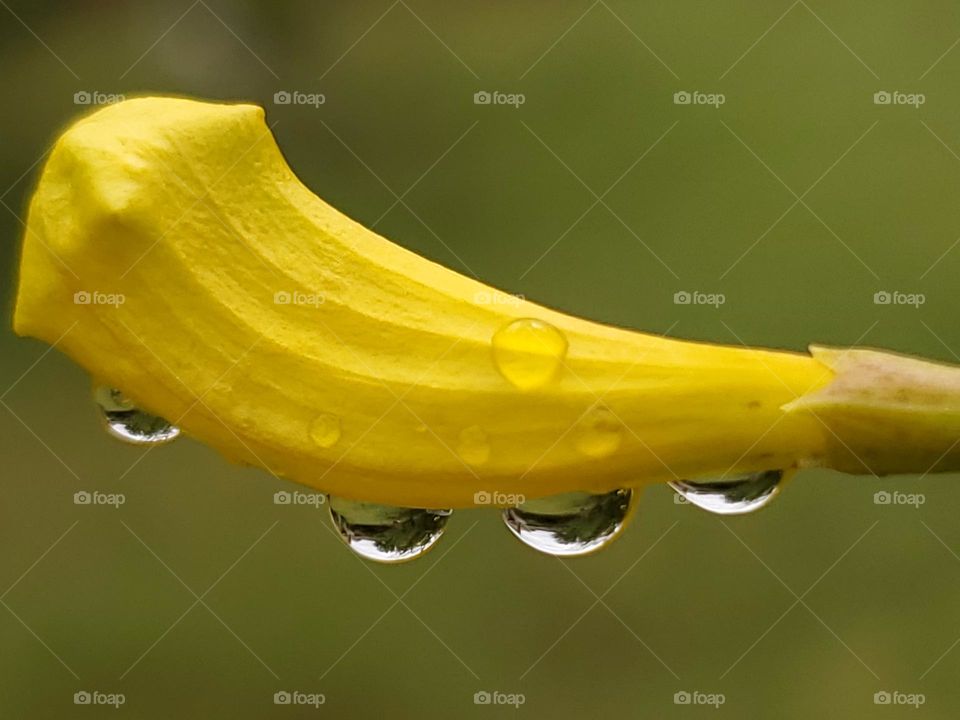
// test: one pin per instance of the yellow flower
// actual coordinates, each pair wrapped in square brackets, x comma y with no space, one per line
[172,253]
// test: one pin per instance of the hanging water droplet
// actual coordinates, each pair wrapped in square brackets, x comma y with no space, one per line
[732,496]
[528,352]
[473,446]
[571,524]
[387,534]
[124,421]
[599,432]
[325,430]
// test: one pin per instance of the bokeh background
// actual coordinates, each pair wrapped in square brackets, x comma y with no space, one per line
[798,199]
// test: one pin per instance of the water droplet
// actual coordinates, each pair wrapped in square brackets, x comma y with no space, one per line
[474,447]
[732,496]
[599,432]
[387,534]
[528,352]
[325,430]
[571,524]
[126,422]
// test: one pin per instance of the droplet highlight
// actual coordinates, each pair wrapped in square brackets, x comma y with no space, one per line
[572,524]
[473,446]
[529,352]
[124,421]
[325,430]
[732,496]
[599,433]
[387,534]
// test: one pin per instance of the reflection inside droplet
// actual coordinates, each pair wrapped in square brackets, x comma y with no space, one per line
[732,496]
[384,533]
[571,524]
[124,421]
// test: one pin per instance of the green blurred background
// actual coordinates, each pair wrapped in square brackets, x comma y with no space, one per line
[809,607]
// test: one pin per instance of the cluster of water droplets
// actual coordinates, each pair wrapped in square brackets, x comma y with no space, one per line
[564,525]
[567,525]
[529,354]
